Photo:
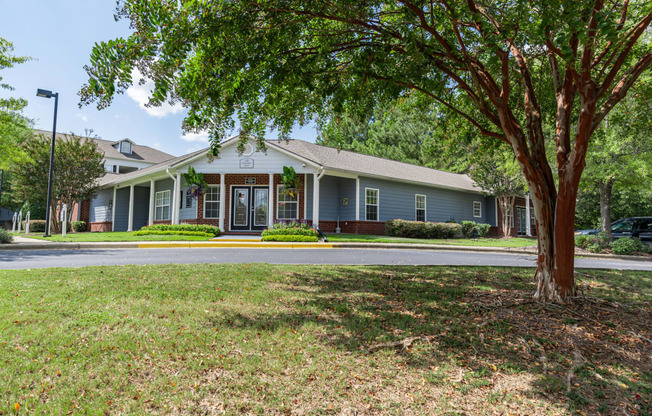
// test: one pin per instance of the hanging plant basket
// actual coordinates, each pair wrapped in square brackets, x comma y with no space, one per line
[196,183]
[291,181]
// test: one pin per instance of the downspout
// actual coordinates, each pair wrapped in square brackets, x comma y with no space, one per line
[174,195]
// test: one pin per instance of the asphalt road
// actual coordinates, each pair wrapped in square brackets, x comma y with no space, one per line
[33,259]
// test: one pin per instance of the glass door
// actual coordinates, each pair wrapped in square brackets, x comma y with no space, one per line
[520,220]
[240,209]
[261,202]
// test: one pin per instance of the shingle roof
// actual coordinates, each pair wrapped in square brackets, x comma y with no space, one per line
[344,160]
[111,178]
[138,152]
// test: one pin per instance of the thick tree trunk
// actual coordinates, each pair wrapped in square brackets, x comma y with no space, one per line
[605,207]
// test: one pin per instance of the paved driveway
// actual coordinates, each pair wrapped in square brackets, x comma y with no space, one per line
[31,259]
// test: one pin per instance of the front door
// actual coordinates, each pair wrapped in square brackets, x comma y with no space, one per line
[520,220]
[249,205]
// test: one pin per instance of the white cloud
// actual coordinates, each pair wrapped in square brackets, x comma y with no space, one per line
[140,94]
[156,145]
[196,137]
[82,116]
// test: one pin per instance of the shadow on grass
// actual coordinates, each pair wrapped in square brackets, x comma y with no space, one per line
[592,355]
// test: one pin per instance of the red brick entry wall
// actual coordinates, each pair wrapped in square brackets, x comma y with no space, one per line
[232,179]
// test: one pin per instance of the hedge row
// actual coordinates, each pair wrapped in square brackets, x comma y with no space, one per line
[5,236]
[171,232]
[292,231]
[286,238]
[600,243]
[200,228]
[418,229]
[473,229]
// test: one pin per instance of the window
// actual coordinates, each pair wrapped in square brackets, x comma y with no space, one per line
[420,207]
[371,204]
[477,209]
[125,147]
[162,211]
[287,205]
[212,202]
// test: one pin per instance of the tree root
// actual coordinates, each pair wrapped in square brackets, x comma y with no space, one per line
[403,344]
[578,361]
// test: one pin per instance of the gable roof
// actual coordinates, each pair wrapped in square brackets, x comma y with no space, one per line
[138,152]
[347,161]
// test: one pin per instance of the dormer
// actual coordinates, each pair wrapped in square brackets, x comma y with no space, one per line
[124,146]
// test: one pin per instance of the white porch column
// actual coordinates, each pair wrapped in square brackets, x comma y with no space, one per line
[130,225]
[528,225]
[357,199]
[305,196]
[222,202]
[115,193]
[179,199]
[152,197]
[315,200]
[270,204]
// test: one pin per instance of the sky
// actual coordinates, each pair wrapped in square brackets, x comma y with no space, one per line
[59,36]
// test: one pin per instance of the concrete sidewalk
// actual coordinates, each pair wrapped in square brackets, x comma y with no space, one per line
[22,243]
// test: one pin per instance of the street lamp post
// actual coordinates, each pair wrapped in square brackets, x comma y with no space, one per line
[50,94]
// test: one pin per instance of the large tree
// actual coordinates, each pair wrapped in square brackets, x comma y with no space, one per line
[499,64]
[78,166]
[14,126]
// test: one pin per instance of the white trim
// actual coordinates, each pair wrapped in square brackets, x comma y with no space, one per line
[341,174]
[377,205]
[130,223]
[270,202]
[152,195]
[416,209]
[219,201]
[278,203]
[305,196]
[222,202]
[315,200]
[357,199]
[162,206]
[480,215]
[528,214]
[115,193]
[177,195]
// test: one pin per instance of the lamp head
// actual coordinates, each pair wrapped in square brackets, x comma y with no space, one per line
[45,93]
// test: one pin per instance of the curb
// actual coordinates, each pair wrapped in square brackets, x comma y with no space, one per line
[334,245]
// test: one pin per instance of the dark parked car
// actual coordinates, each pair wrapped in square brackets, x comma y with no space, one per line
[638,227]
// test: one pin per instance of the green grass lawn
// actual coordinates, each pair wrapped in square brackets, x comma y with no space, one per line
[114,236]
[483,242]
[261,339]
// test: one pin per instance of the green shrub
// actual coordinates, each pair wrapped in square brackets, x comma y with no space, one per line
[593,243]
[418,229]
[581,240]
[291,231]
[79,226]
[291,238]
[5,236]
[202,228]
[627,246]
[35,226]
[468,227]
[172,232]
[290,224]
[482,229]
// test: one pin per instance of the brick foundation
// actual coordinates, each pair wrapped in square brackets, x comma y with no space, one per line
[167,222]
[354,227]
[99,226]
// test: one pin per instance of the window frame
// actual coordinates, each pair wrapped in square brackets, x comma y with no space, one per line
[122,149]
[479,203]
[219,202]
[157,206]
[417,209]
[367,204]
[278,203]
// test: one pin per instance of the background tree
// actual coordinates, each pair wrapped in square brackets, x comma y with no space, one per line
[14,127]
[78,166]
[626,201]
[497,173]
[621,151]
[517,65]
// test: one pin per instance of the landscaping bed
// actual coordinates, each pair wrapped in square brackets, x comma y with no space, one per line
[341,340]
[290,232]
[115,237]
[478,242]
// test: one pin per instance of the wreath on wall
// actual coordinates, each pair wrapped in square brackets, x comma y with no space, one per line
[196,183]
[291,181]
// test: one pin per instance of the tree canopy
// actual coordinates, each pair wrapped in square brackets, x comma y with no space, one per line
[14,126]
[506,67]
